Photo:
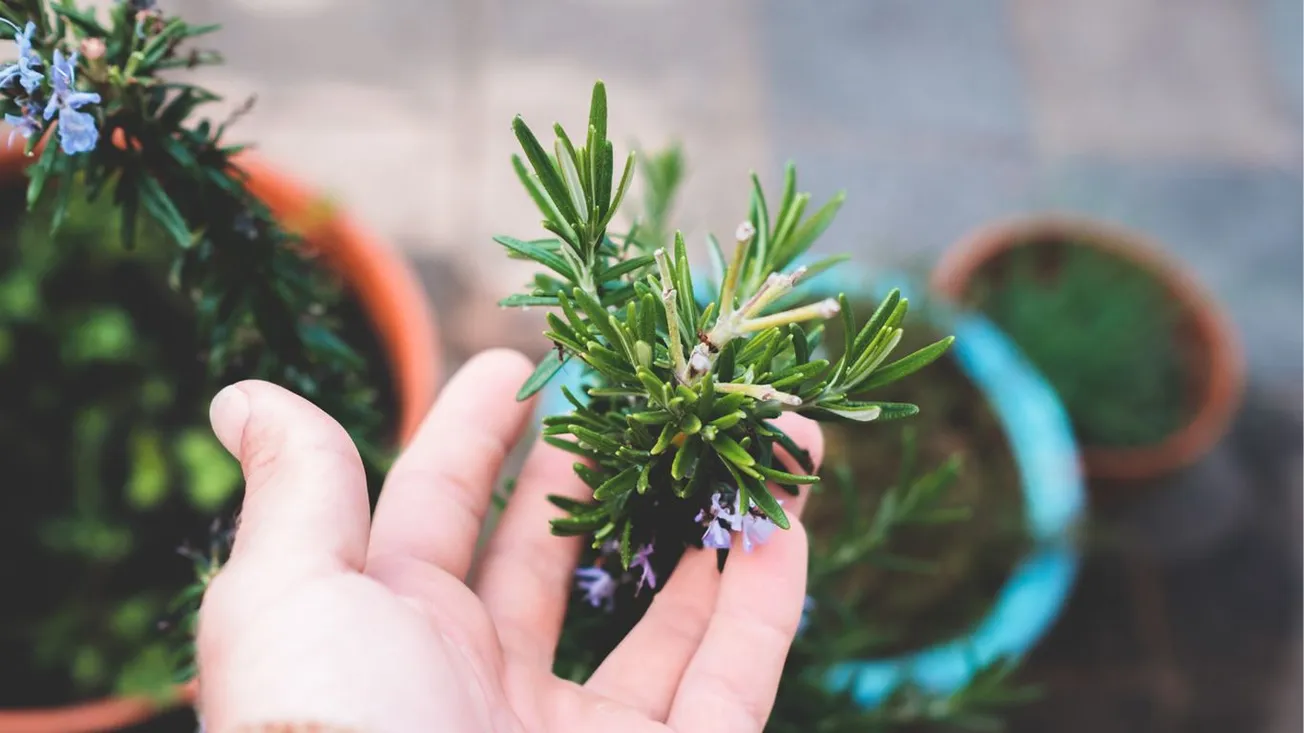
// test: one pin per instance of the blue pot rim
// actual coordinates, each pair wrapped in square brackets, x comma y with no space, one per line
[1044,449]
[1041,439]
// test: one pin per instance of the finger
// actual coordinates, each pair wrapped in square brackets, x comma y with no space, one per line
[305,505]
[645,669]
[528,572]
[731,682]
[436,495]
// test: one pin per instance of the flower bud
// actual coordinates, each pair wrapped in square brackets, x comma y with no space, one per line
[699,362]
[745,232]
[92,49]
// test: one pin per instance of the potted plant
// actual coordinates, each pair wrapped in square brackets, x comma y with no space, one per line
[668,385]
[855,526]
[953,576]
[1151,371]
[147,262]
[977,595]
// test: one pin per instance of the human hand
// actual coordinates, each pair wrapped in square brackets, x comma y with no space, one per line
[328,619]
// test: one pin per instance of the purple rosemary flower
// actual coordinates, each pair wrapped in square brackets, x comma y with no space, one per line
[756,530]
[641,560]
[77,130]
[28,124]
[716,536]
[598,586]
[720,518]
[27,76]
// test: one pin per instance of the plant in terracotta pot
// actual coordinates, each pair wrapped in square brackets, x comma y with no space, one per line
[145,262]
[668,392]
[1150,371]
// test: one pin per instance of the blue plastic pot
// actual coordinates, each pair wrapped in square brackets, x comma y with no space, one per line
[1038,432]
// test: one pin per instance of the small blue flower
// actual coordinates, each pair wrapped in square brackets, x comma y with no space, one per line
[756,531]
[648,577]
[77,130]
[28,124]
[598,586]
[27,76]
[720,518]
[716,536]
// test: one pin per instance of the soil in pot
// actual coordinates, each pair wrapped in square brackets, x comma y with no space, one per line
[931,583]
[108,461]
[1103,331]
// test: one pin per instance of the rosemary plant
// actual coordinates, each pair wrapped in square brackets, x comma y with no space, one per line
[675,419]
[662,173]
[100,100]
[865,531]
[101,113]
[682,380]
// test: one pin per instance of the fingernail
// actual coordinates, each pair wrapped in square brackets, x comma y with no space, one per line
[228,413]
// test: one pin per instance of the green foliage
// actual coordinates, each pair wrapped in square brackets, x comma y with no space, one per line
[131,632]
[836,630]
[212,475]
[681,395]
[864,529]
[102,335]
[1117,364]
[978,707]
[860,534]
[864,533]
[145,274]
[675,415]
[148,483]
[104,349]
[207,561]
[263,310]
[805,705]
[941,581]
[662,173]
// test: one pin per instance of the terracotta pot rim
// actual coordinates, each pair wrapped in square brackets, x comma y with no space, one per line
[390,294]
[384,284]
[1219,398]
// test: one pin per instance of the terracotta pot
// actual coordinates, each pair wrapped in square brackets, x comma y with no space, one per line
[1215,364]
[390,294]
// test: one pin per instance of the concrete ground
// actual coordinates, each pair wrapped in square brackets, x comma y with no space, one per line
[1181,118]
[1178,117]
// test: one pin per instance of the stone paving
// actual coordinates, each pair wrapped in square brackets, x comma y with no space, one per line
[1181,118]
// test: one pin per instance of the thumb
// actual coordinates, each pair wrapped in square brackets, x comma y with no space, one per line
[305,504]
[304,517]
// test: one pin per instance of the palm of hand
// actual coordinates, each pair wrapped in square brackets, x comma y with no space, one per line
[325,617]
